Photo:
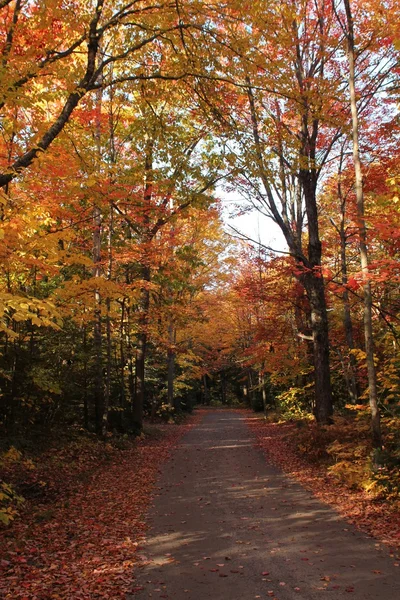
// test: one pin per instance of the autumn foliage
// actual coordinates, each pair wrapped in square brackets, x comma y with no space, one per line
[123,298]
[83,518]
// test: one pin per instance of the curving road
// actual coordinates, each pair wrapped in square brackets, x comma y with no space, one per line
[228,526]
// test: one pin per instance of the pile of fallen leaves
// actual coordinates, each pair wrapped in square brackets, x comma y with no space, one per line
[279,441]
[78,538]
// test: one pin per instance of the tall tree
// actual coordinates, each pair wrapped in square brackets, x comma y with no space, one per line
[285,122]
[358,185]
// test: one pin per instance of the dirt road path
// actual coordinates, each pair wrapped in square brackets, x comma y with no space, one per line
[226,525]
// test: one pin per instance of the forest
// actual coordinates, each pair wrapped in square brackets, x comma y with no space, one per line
[126,299]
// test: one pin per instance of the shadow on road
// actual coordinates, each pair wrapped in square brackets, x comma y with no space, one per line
[226,525]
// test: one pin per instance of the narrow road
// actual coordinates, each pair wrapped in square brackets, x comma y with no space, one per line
[228,526]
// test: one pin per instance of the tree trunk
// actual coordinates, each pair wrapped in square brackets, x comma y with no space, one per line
[206,397]
[261,380]
[97,272]
[122,362]
[138,404]
[310,265]
[112,158]
[223,388]
[141,346]
[313,282]
[351,368]
[129,352]
[85,380]
[108,332]
[368,331]
[14,380]
[97,327]
[171,364]
[144,302]
[250,387]
[319,327]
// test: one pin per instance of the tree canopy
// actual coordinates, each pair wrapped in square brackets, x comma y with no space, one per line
[123,124]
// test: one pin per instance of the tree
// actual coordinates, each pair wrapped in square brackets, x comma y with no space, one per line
[369,343]
[285,123]
[76,49]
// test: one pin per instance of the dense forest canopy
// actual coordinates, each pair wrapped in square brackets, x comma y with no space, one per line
[121,294]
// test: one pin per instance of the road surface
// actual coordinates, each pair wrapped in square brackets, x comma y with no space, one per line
[227,525]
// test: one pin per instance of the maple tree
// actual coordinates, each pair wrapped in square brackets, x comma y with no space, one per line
[108,185]
[283,106]
[70,50]
[285,125]
[369,348]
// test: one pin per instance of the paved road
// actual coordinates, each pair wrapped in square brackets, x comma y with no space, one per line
[228,526]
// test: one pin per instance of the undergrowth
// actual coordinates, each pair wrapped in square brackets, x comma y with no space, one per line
[345,450]
[42,472]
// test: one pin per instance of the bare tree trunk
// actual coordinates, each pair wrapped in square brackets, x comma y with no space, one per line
[368,331]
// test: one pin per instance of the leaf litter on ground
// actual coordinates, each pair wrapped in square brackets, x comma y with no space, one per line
[83,543]
[374,518]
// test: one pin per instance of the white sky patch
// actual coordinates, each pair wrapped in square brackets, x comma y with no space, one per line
[252,225]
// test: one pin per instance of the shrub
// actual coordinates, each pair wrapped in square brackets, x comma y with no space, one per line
[165,412]
[9,503]
[296,402]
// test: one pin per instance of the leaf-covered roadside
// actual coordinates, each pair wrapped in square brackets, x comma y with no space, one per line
[282,444]
[82,544]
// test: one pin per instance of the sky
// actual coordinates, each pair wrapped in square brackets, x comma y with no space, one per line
[252,224]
